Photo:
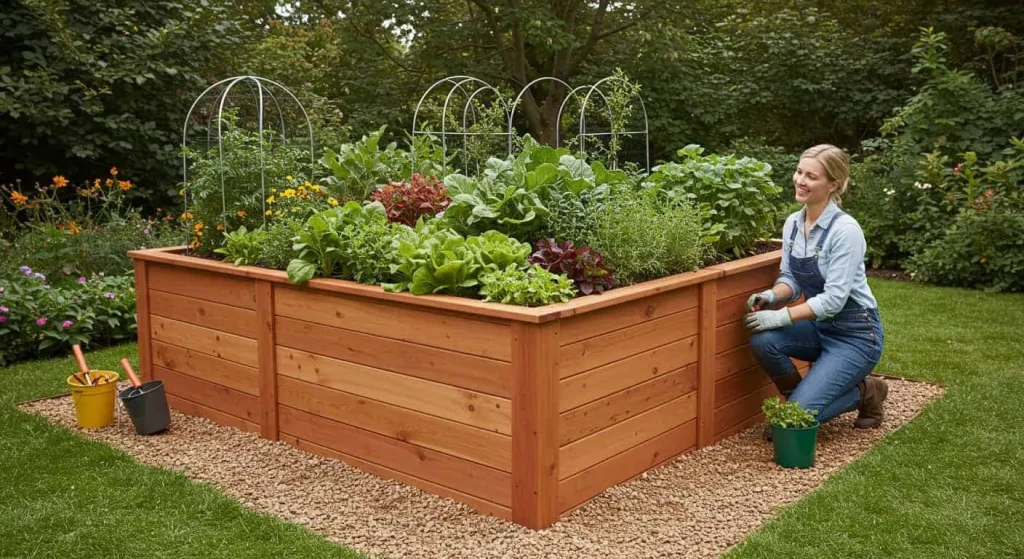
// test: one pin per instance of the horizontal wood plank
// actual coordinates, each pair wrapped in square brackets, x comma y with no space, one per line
[188,407]
[627,314]
[480,374]
[461,475]
[204,340]
[757,279]
[730,362]
[442,400]
[430,328]
[213,396]
[740,427]
[731,336]
[620,375]
[207,367]
[743,409]
[739,385]
[442,435]
[225,318]
[586,452]
[732,308]
[208,286]
[626,465]
[613,346]
[620,406]
[479,505]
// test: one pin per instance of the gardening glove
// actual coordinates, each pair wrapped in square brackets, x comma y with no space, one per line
[767,320]
[758,301]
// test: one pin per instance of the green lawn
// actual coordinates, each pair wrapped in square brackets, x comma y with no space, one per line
[950,484]
[66,496]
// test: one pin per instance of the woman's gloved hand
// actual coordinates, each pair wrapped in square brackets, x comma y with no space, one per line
[767,320]
[758,301]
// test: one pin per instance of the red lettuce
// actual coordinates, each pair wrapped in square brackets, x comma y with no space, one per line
[584,265]
[405,202]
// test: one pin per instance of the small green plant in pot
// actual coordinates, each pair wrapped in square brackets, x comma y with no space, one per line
[794,432]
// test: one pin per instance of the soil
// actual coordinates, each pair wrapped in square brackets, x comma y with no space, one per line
[697,505]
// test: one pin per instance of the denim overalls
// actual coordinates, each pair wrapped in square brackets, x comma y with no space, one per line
[843,348]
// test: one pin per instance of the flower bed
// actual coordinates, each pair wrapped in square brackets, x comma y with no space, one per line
[523,413]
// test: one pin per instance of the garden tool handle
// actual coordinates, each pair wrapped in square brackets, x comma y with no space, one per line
[131,373]
[82,367]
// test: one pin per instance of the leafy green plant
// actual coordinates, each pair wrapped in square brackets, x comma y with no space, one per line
[432,259]
[243,247]
[788,414]
[350,242]
[735,196]
[643,239]
[277,250]
[531,287]
[497,251]
[359,168]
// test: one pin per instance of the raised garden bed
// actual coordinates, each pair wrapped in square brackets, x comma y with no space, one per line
[523,413]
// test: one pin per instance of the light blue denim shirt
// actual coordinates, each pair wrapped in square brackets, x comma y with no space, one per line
[841,261]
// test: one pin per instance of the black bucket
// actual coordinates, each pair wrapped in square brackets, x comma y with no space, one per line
[147,406]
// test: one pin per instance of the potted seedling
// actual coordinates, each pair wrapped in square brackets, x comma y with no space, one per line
[794,432]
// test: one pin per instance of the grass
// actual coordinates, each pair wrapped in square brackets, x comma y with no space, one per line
[949,484]
[66,496]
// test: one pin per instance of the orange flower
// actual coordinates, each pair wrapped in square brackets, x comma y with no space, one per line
[110,182]
[185,216]
[125,185]
[241,213]
[113,171]
[18,199]
[73,228]
[220,227]
[59,181]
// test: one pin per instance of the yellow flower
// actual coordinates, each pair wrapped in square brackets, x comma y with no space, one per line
[198,227]
[302,191]
[268,212]
[59,181]
[18,199]
[113,171]
[180,192]
[332,202]
[96,184]
[185,216]
[240,213]
[125,185]
[278,212]
[289,178]
[290,193]
[271,200]
[307,184]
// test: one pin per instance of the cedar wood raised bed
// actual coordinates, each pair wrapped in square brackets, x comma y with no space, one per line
[521,413]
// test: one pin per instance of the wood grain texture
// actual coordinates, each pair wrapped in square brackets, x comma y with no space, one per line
[142,312]
[733,308]
[437,467]
[535,468]
[203,340]
[457,439]
[479,505]
[742,409]
[225,318]
[735,360]
[449,367]
[267,348]
[734,387]
[597,383]
[441,400]
[620,406]
[206,367]
[627,314]
[626,465]
[601,350]
[213,396]
[215,287]
[731,336]
[586,452]
[430,328]
[706,365]
[188,407]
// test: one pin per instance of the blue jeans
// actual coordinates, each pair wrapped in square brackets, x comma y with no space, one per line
[844,349]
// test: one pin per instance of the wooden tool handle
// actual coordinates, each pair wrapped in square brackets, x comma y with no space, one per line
[82,367]
[131,373]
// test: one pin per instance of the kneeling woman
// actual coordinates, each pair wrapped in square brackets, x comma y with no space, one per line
[838,326]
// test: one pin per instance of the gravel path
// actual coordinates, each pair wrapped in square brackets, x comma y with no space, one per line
[698,505]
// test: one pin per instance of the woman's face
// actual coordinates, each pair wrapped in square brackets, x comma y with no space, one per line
[812,183]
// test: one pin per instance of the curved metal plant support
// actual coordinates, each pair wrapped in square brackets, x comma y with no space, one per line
[262,90]
[584,134]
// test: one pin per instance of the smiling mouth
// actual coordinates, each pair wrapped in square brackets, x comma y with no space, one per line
[802,190]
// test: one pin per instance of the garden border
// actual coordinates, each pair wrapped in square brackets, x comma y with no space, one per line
[523,413]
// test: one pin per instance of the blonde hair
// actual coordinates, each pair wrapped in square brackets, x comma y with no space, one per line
[837,165]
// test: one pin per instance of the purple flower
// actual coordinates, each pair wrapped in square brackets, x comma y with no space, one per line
[26,270]
[41,321]
[4,310]
[109,295]
[66,324]
[81,279]
[146,230]
[37,275]
[3,319]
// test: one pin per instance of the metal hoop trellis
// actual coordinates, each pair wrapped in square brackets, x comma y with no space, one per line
[583,134]
[261,88]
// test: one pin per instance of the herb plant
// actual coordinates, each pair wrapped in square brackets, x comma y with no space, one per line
[243,247]
[787,414]
[531,287]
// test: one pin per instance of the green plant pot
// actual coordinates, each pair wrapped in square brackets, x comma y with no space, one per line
[794,448]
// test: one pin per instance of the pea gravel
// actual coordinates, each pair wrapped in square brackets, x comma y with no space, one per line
[697,505]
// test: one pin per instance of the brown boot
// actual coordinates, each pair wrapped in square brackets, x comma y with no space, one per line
[873,391]
[786,385]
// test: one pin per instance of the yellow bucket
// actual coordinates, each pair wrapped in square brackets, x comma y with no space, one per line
[94,405]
